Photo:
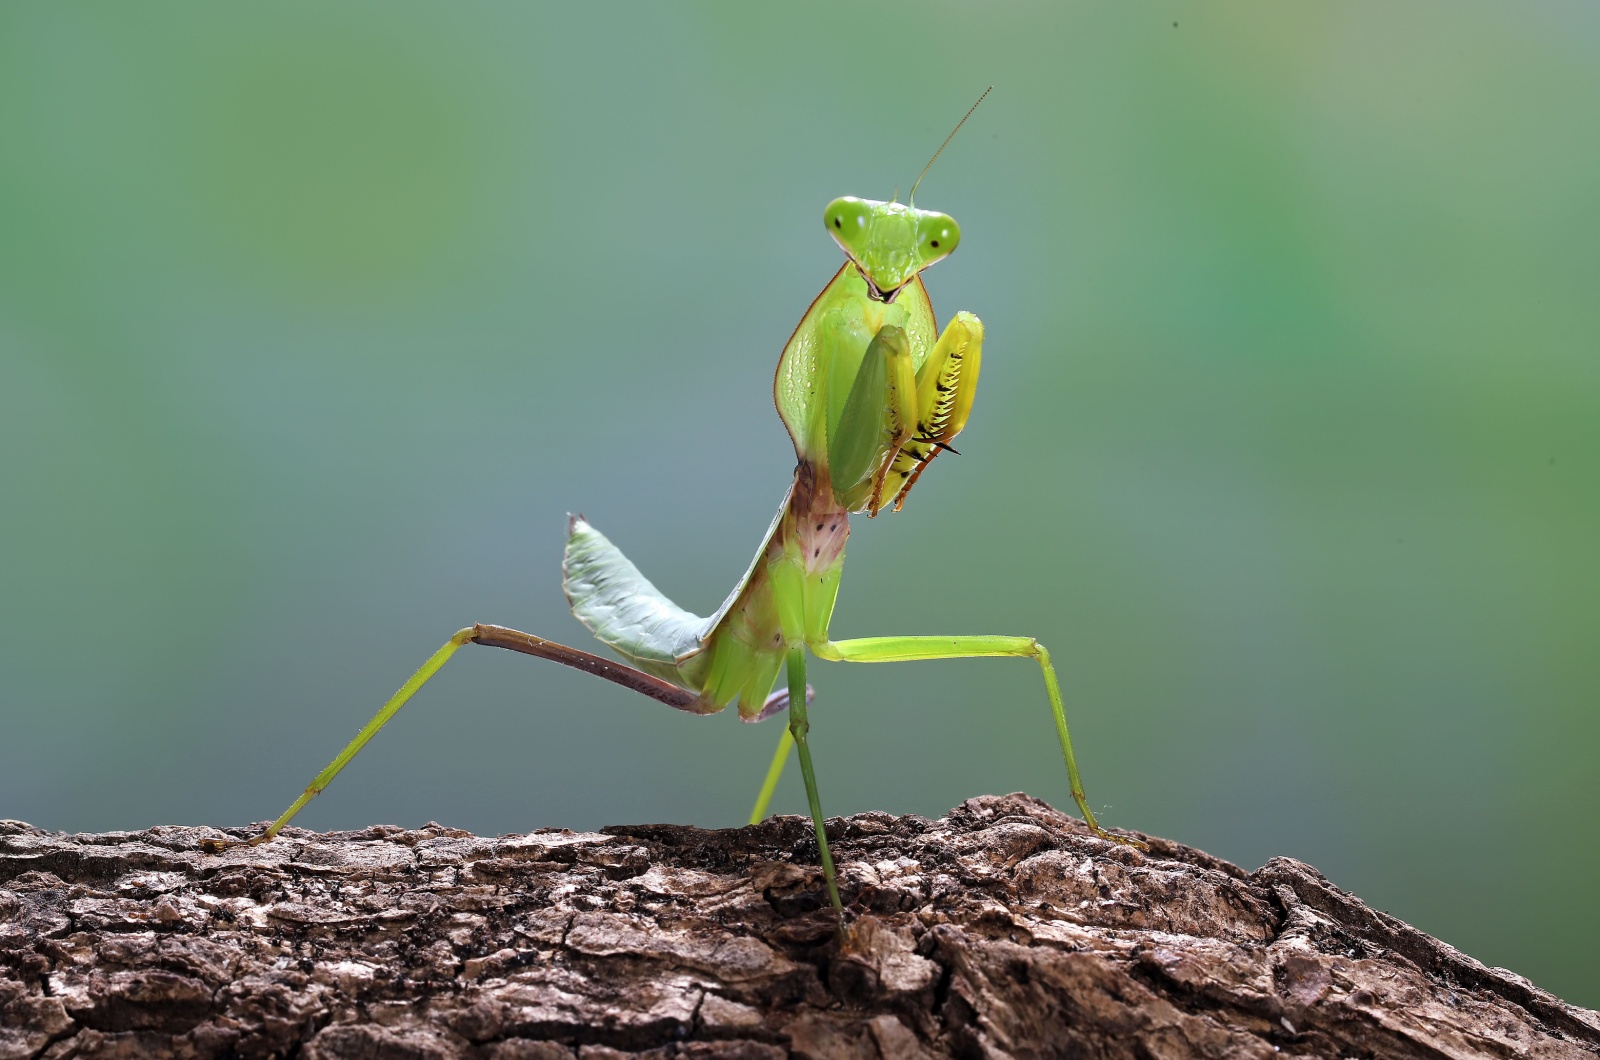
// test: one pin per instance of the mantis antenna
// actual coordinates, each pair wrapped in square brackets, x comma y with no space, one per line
[912,198]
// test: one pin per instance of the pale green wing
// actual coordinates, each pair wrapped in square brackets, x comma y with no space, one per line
[619,605]
[627,613]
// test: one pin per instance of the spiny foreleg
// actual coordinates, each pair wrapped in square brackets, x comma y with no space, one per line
[946,386]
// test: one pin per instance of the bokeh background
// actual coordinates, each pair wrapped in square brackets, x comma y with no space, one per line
[315,320]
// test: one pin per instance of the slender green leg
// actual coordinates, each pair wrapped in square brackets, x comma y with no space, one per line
[799,725]
[368,731]
[774,771]
[909,649]
[493,636]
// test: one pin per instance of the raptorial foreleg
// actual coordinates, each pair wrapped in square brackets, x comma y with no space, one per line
[947,383]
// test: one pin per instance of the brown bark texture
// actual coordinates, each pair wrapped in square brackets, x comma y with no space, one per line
[1002,930]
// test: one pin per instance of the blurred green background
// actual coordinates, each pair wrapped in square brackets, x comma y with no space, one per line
[314,322]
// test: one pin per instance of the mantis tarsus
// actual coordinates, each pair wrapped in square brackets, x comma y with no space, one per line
[870,391]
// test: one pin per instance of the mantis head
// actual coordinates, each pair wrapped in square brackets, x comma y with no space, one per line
[889,243]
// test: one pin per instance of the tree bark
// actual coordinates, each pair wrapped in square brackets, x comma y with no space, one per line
[1004,929]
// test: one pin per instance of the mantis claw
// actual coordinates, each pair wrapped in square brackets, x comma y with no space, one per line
[222,846]
[1123,839]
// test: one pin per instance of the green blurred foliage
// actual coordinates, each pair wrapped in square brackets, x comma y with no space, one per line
[314,320]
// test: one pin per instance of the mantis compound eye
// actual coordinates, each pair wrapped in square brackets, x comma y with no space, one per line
[846,220]
[937,235]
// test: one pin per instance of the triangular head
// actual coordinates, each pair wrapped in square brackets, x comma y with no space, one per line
[889,243]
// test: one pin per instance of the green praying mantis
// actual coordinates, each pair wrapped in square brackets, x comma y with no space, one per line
[871,391]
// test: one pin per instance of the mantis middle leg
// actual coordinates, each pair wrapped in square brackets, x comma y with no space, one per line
[911,649]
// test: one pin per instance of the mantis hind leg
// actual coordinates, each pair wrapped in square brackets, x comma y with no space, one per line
[493,636]
[911,649]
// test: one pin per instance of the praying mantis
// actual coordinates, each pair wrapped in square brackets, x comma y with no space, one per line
[870,392]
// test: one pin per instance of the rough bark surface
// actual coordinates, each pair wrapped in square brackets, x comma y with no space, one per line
[1001,930]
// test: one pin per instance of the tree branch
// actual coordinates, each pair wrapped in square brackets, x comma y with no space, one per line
[1003,929]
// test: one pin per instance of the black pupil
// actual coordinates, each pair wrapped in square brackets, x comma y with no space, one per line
[838,223]
[934,243]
